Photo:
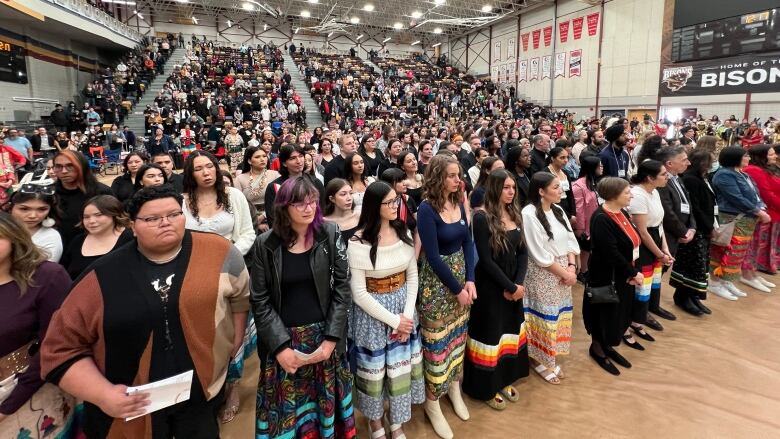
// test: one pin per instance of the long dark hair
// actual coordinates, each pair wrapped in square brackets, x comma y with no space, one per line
[650,148]
[250,151]
[758,156]
[589,165]
[295,190]
[191,186]
[20,197]
[87,182]
[333,187]
[370,219]
[646,170]
[145,167]
[539,181]
[484,169]
[127,160]
[494,209]
[393,176]
[349,174]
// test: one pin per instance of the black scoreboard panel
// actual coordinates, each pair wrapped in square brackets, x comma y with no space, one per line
[754,32]
[13,67]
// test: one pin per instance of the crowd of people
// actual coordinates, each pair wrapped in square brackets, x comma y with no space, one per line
[434,255]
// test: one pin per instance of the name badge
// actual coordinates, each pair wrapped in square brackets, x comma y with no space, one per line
[685,208]
[635,255]
[715,210]
[622,173]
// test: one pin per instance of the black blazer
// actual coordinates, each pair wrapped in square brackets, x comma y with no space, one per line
[611,253]
[522,182]
[538,161]
[35,141]
[676,223]
[328,262]
[703,202]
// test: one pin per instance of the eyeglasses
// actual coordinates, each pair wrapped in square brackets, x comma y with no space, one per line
[69,167]
[156,221]
[301,207]
[392,203]
[37,189]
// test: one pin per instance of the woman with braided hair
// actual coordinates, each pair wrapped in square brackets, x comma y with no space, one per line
[552,270]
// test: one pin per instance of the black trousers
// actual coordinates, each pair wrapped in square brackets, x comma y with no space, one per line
[192,419]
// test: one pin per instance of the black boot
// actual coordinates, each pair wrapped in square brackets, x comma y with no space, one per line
[690,308]
[696,301]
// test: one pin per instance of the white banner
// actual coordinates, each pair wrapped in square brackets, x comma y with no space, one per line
[546,60]
[523,73]
[534,69]
[560,64]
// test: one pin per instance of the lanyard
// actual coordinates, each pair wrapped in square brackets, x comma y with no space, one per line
[622,163]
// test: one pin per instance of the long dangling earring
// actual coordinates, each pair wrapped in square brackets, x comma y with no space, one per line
[48,222]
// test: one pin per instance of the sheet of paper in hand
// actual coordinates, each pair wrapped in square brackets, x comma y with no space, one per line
[164,393]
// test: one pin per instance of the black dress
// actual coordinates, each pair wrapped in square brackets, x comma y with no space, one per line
[123,187]
[611,260]
[496,352]
[76,263]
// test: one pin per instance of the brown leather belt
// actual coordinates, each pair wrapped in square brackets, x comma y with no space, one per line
[15,362]
[384,285]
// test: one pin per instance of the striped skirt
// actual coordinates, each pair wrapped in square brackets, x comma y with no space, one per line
[386,369]
[248,348]
[764,253]
[652,270]
[315,402]
[443,326]
[548,314]
[726,261]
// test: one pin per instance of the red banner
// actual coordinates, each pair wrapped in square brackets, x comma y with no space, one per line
[536,35]
[577,27]
[524,37]
[547,36]
[563,30]
[593,23]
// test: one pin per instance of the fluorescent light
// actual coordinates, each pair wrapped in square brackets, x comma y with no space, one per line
[436,45]
[437,30]
[265,27]
[398,25]
[386,40]
[354,20]
[194,20]
[416,14]
[368,7]
[313,1]
[305,13]
[439,2]
[487,8]
[229,23]
[359,37]
[140,16]
[297,29]
[248,6]
[330,34]
[120,2]
[182,1]
[415,43]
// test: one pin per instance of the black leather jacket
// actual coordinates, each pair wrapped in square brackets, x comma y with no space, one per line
[328,262]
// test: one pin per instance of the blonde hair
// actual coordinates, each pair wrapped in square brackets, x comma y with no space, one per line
[25,255]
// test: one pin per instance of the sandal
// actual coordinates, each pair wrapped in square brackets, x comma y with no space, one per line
[497,402]
[231,407]
[376,434]
[510,393]
[396,427]
[559,372]
[547,374]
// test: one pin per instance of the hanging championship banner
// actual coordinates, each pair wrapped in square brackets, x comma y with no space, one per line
[575,63]
[494,73]
[577,27]
[563,30]
[511,71]
[593,23]
[510,49]
[497,51]
[524,38]
[523,73]
[536,35]
[547,36]
[503,73]
[546,60]
[750,73]
[534,69]
[560,64]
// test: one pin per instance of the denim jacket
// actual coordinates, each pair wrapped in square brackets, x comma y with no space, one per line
[736,193]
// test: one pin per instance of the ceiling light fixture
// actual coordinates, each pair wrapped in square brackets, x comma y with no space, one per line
[229,23]
[487,9]
[398,25]
[416,14]
[436,45]
[265,27]
[368,7]
[120,2]
[297,29]
[194,20]
[182,1]
[140,15]
[248,6]
[330,34]
[359,37]
[305,13]
[437,30]
[354,20]
[415,43]
[385,40]
[439,2]
[313,1]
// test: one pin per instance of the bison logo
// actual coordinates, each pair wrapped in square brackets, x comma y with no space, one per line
[676,78]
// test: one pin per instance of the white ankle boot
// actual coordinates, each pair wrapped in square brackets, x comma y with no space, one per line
[440,425]
[457,401]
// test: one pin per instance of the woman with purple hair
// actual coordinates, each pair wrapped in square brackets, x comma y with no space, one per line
[305,386]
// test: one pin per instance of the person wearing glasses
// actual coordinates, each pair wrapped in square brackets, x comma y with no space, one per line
[75,185]
[152,309]
[291,164]
[106,228]
[305,386]
[35,206]
[31,292]
[210,205]
[383,324]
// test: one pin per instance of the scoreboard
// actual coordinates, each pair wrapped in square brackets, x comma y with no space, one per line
[13,66]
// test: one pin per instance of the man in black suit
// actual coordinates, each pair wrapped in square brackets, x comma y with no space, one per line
[42,142]
[335,168]
[679,224]
[541,146]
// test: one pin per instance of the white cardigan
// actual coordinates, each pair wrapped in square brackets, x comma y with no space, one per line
[243,234]
[390,259]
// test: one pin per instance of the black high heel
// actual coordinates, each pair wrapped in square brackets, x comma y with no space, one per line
[634,345]
[604,363]
[640,332]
